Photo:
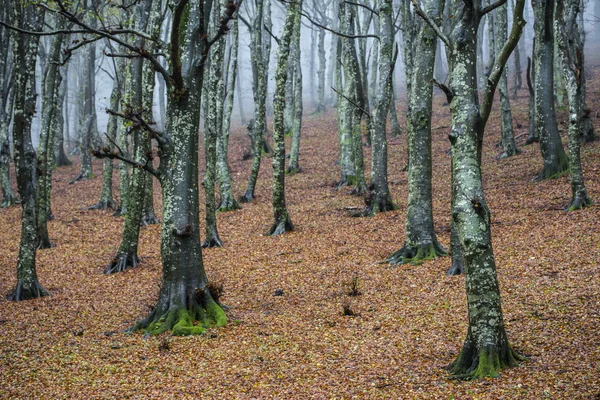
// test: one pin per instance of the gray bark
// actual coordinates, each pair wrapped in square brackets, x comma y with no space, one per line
[282,222]
[555,159]
[295,54]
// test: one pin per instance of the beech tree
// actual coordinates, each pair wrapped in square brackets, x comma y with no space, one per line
[486,350]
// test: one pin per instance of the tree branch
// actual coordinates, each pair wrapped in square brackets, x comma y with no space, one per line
[363,6]
[139,122]
[501,59]
[438,31]
[104,152]
[492,7]
[351,102]
[338,33]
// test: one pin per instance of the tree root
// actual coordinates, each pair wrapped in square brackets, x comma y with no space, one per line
[415,255]
[212,238]
[149,219]
[122,263]
[532,140]
[21,293]
[203,312]
[228,203]
[120,212]
[44,243]
[349,180]
[553,172]
[293,170]
[104,204]
[579,203]
[508,154]
[9,201]
[456,268]
[485,363]
[374,207]
[247,197]
[81,177]
[281,226]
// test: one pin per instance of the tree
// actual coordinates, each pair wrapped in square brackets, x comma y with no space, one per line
[555,159]
[296,78]
[421,243]
[282,222]
[29,18]
[486,349]
[571,57]
[6,83]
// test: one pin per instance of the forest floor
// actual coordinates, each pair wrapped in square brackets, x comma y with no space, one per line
[408,323]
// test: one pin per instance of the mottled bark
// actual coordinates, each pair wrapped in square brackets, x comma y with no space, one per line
[213,129]
[295,54]
[506,125]
[379,198]
[555,159]
[571,57]
[344,116]
[486,350]
[421,243]
[227,201]
[50,98]
[321,71]
[532,135]
[260,66]
[25,51]
[282,222]
[517,76]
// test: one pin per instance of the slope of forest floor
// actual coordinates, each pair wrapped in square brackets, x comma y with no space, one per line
[408,323]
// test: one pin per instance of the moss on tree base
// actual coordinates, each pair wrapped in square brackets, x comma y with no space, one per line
[485,363]
[228,203]
[293,170]
[553,171]
[122,262]
[579,202]
[246,197]
[416,255]
[9,201]
[456,268]
[149,219]
[184,321]
[34,291]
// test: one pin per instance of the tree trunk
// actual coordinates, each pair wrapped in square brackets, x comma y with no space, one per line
[421,243]
[506,124]
[24,53]
[295,51]
[227,201]
[379,198]
[555,159]
[282,222]
[486,350]
[571,57]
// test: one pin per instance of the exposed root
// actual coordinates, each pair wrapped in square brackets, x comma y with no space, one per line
[33,292]
[203,312]
[415,255]
[104,204]
[485,363]
[349,180]
[532,140]
[507,154]
[376,204]
[212,242]
[120,212]
[457,267]
[9,201]
[579,202]
[149,219]
[81,177]
[228,203]
[360,189]
[122,263]
[281,226]
[44,243]
[293,170]
[247,197]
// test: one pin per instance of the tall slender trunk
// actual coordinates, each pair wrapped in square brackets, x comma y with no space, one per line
[555,159]
[25,51]
[421,243]
[282,222]
[227,201]
[506,125]
[571,57]
[295,53]
[344,115]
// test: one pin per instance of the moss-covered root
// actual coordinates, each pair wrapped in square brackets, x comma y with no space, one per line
[415,255]
[183,321]
[104,205]
[579,201]
[247,197]
[21,292]
[376,205]
[485,363]
[228,203]
[360,189]
[281,226]
[348,180]
[121,211]
[122,262]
